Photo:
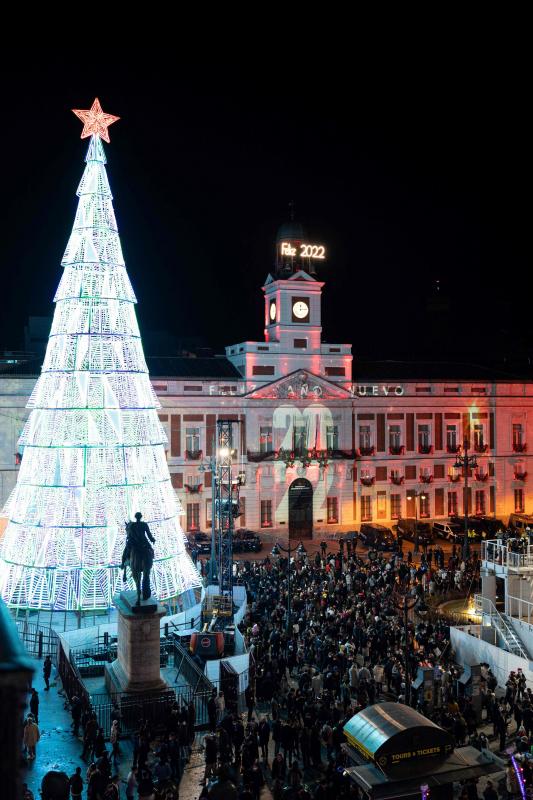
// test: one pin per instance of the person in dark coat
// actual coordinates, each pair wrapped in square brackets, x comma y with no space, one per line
[76,711]
[249,695]
[34,704]
[47,671]
[264,738]
[212,711]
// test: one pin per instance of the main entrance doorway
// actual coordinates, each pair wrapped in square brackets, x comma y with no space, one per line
[300,509]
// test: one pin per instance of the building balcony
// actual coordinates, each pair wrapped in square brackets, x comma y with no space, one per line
[453,448]
[481,476]
[397,451]
[481,447]
[256,457]
[368,480]
[454,478]
[397,480]
[519,447]
[520,476]
[426,478]
[193,488]
[194,455]
[366,451]
[425,449]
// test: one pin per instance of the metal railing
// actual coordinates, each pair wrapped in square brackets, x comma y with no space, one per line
[497,553]
[38,640]
[518,607]
[190,670]
[502,624]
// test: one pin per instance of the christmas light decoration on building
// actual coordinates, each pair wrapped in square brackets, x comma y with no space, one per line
[93,445]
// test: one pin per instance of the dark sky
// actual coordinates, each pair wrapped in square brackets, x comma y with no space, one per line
[407,173]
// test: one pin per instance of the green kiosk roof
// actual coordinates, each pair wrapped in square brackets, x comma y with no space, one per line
[393,735]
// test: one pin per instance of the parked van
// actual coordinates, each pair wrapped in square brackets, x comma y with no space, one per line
[519,522]
[377,537]
[481,526]
[407,527]
[448,530]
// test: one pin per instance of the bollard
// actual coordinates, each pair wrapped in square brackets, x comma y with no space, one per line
[40,652]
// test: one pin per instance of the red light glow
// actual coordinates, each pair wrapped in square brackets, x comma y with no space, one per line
[95,121]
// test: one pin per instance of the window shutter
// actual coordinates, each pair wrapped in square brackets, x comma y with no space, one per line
[469,502]
[175,435]
[177,480]
[381,473]
[242,509]
[439,502]
[410,432]
[243,434]
[208,478]
[438,431]
[466,428]
[492,500]
[438,470]
[491,431]
[410,473]
[410,506]
[381,433]
[210,433]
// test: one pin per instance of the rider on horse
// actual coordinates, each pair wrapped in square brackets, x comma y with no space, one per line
[136,541]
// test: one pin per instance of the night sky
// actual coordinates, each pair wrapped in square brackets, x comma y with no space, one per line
[406,175]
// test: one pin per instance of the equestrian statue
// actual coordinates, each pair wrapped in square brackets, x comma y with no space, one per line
[139,556]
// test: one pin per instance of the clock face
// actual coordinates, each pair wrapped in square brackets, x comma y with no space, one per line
[272,311]
[300,309]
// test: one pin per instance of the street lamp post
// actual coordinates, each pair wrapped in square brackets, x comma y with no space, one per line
[405,600]
[211,467]
[413,496]
[465,462]
[276,550]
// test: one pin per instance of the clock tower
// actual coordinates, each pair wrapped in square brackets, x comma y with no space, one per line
[292,320]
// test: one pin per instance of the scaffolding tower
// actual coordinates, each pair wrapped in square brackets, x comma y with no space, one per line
[226,507]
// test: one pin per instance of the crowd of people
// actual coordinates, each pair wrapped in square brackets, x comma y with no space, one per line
[324,648]
[325,644]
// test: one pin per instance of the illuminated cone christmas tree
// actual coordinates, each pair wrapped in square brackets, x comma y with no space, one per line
[93,445]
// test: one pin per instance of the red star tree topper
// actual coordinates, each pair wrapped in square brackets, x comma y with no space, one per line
[95,121]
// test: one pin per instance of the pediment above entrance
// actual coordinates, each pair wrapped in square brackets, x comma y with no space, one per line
[300,385]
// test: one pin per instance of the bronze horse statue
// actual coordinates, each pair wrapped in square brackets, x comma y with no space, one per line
[139,556]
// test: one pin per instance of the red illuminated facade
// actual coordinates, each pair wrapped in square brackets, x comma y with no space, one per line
[324,445]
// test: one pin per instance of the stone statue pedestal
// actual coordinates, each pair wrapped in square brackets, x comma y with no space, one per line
[137,667]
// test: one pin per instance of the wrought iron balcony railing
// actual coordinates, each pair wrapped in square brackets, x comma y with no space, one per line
[397,479]
[193,455]
[453,448]
[397,451]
